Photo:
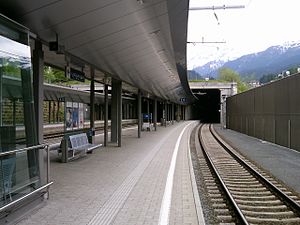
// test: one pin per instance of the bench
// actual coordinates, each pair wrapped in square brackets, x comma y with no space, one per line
[79,145]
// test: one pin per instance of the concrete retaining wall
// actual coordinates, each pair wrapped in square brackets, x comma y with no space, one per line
[270,112]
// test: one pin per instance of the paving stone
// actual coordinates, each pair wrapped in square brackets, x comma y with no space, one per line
[121,185]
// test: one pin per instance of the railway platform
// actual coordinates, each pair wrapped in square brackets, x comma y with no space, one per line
[146,181]
[281,162]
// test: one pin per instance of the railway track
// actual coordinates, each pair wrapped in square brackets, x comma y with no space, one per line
[59,133]
[238,191]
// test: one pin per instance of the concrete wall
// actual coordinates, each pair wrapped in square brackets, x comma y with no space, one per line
[270,112]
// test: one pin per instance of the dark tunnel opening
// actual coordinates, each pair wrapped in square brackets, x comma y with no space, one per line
[207,108]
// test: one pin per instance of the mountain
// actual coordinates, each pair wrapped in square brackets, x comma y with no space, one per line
[210,68]
[193,75]
[273,60]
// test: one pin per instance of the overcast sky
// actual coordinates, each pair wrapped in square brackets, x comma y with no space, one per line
[261,24]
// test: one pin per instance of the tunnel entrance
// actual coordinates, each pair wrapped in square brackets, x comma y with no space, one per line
[207,108]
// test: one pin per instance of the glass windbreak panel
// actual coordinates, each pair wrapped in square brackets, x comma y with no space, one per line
[19,173]
[15,68]
[16,177]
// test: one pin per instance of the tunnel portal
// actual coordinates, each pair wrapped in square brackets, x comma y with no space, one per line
[207,108]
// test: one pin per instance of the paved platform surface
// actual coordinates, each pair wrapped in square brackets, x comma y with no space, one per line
[281,162]
[124,185]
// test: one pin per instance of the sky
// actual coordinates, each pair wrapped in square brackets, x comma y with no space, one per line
[261,24]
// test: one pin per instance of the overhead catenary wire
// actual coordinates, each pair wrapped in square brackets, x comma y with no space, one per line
[217,7]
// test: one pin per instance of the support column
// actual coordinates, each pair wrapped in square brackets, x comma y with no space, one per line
[139,112]
[119,106]
[100,108]
[116,112]
[166,113]
[128,110]
[155,114]
[1,90]
[92,106]
[38,95]
[49,112]
[105,114]
[57,112]
[172,113]
[177,113]
[148,111]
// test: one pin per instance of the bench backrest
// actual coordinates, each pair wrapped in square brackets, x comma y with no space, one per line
[78,140]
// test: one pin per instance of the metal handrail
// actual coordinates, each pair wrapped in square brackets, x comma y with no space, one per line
[46,186]
[9,205]
[23,150]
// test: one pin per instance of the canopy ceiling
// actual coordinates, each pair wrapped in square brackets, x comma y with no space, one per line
[140,42]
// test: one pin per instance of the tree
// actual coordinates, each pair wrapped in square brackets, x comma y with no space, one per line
[229,75]
[56,76]
[267,78]
[52,75]
[293,70]
[226,74]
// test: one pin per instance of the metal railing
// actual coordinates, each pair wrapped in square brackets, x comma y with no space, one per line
[46,186]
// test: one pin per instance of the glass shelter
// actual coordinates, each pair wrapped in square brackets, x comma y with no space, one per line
[19,170]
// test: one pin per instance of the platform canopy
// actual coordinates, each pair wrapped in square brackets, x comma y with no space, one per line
[142,42]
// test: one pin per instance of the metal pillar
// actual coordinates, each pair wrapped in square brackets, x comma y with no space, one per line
[139,105]
[172,113]
[166,113]
[92,105]
[155,114]
[35,128]
[289,133]
[105,114]
[49,112]
[148,111]
[100,112]
[116,112]
[1,94]
[38,90]
[119,107]
[57,112]
[128,111]
[176,112]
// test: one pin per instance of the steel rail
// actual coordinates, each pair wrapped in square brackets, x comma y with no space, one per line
[62,133]
[241,218]
[279,193]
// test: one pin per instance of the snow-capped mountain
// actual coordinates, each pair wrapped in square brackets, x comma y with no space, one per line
[209,68]
[274,59]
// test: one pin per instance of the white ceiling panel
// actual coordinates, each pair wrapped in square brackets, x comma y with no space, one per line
[141,44]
